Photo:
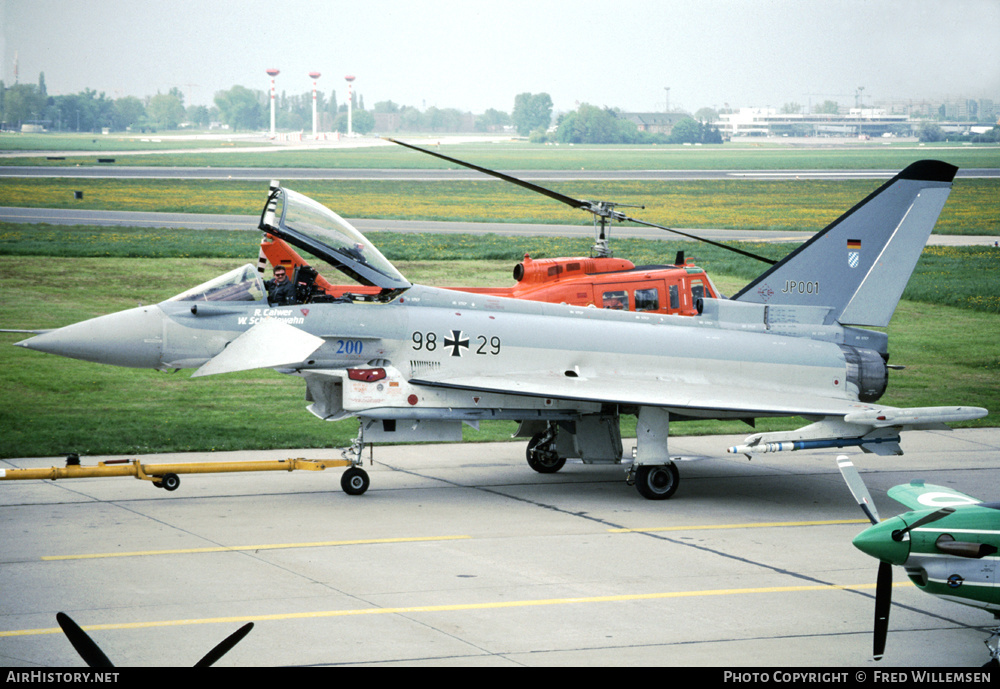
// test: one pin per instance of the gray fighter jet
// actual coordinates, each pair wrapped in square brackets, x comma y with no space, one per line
[414,363]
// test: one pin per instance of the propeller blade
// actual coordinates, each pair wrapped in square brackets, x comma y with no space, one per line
[932,517]
[883,601]
[562,198]
[604,210]
[857,488]
[84,645]
[226,646]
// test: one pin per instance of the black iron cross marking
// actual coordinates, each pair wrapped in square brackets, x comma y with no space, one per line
[456,342]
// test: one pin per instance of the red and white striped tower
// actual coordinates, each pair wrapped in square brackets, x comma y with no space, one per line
[350,103]
[272,72]
[314,76]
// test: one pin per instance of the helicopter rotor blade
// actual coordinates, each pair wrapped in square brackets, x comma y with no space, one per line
[604,210]
[562,198]
[225,646]
[84,645]
[883,602]
[702,239]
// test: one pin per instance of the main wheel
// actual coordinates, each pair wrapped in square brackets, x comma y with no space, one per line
[657,481]
[354,481]
[542,457]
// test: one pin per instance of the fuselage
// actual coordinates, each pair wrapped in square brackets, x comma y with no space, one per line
[463,334]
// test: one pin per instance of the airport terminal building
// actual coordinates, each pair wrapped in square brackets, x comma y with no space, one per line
[861,122]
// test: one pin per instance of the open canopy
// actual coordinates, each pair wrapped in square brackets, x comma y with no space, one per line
[314,228]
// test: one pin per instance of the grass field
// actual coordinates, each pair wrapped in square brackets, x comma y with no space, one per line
[83,143]
[966,277]
[820,154]
[944,331]
[60,405]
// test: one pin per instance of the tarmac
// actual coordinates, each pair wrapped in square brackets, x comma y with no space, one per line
[460,555]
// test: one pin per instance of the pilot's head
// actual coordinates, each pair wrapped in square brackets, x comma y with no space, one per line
[279,274]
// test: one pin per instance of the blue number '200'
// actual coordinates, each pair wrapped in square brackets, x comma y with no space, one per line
[349,346]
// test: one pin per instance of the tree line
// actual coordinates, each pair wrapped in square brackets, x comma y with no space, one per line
[245,109]
[239,108]
[90,111]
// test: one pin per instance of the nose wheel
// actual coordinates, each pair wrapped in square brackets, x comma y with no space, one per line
[354,481]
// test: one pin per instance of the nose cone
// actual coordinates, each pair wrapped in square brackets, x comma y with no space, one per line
[878,542]
[131,338]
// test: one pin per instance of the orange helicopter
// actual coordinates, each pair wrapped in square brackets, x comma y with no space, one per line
[601,280]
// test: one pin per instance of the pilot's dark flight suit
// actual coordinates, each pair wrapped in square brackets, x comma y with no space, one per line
[280,293]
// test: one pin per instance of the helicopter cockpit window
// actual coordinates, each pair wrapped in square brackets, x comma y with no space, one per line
[314,228]
[241,284]
[616,300]
[647,299]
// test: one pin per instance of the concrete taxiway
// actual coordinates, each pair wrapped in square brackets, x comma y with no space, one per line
[461,555]
[202,221]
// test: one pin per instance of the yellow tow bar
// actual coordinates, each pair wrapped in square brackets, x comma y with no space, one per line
[354,480]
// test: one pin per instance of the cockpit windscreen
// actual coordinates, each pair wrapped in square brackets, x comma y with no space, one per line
[241,284]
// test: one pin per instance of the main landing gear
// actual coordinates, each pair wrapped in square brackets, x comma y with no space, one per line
[541,452]
[653,481]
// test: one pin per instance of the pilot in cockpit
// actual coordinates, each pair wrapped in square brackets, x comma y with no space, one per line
[280,290]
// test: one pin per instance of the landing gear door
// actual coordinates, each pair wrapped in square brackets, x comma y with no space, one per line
[597,438]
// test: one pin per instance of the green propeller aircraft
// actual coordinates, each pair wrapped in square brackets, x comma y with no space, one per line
[947,544]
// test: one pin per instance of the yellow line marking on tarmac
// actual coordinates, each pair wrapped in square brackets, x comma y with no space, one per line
[451,608]
[273,546]
[369,541]
[758,525]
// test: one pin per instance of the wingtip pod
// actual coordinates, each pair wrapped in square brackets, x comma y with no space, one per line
[915,416]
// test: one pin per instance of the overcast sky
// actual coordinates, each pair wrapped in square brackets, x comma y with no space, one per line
[474,55]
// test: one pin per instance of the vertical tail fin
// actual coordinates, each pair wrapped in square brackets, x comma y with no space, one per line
[860,264]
